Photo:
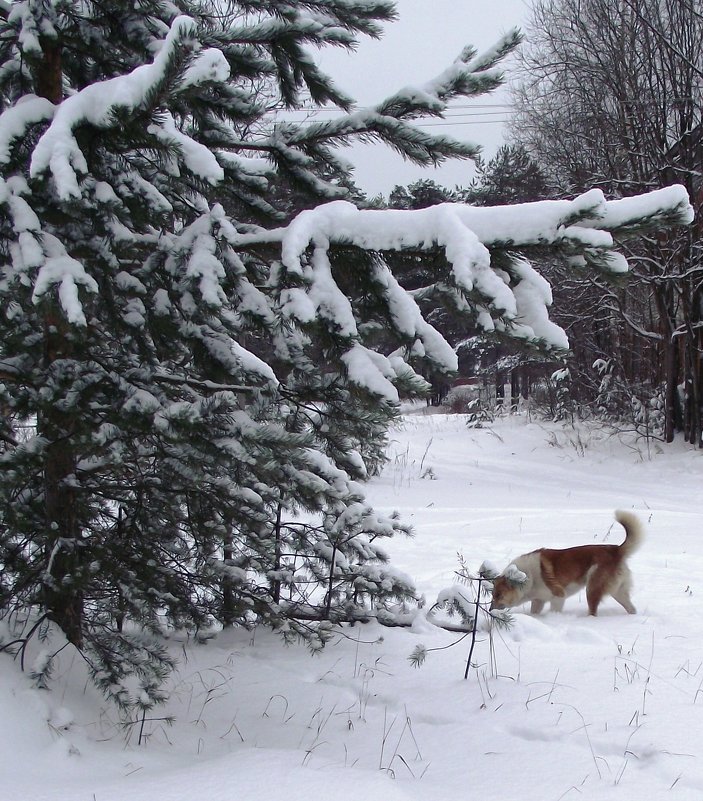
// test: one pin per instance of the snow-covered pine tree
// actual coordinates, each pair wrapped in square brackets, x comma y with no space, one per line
[511,176]
[191,389]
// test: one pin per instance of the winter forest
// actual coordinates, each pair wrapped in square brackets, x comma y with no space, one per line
[263,436]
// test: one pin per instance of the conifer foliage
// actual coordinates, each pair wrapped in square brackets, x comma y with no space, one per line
[192,387]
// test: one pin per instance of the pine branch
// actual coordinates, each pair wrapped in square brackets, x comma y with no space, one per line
[203,385]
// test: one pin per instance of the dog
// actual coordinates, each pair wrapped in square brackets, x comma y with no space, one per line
[554,574]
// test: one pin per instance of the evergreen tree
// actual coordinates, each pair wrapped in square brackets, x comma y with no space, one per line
[194,389]
[420,195]
[511,176]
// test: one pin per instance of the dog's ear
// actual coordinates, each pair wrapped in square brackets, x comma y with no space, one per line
[549,578]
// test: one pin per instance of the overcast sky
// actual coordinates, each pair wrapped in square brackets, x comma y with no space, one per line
[426,38]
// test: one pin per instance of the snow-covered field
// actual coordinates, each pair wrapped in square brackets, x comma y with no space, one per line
[565,706]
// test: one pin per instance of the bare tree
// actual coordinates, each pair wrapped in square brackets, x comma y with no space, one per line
[611,94]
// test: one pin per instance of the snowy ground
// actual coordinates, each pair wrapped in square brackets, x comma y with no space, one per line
[568,706]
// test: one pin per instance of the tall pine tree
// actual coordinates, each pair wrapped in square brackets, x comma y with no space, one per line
[193,387]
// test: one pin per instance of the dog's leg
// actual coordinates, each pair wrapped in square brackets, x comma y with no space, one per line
[596,588]
[557,604]
[621,591]
[622,596]
[536,607]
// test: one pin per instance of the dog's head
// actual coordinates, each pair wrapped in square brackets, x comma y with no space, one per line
[505,594]
[508,589]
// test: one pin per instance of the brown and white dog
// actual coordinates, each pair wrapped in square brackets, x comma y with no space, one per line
[554,574]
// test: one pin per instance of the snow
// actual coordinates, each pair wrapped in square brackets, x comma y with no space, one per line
[488,569]
[409,320]
[329,301]
[252,363]
[198,159]
[22,14]
[62,269]
[620,213]
[533,297]
[466,233]
[459,595]
[210,66]
[15,120]
[58,151]
[370,370]
[514,575]
[561,706]
[465,70]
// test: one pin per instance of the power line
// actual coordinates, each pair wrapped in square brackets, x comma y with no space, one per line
[477,114]
[322,110]
[484,105]
[458,124]
[462,116]
[472,111]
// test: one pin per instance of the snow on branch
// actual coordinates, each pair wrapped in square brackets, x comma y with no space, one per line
[411,142]
[322,23]
[471,230]
[197,158]
[98,104]
[15,120]
[465,77]
[35,248]
[390,121]
[632,213]
[34,23]
[533,297]
[519,298]
[577,222]
[409,321]
[440,225]
[320,299]
[60,269]
[494,55]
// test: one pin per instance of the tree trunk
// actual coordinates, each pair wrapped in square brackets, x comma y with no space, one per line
[698,377]
[49,75]
[692,342]
[671,396]
[228,613]
[525,384]
[514,390]
[670,376]
[276,584]
[500,390]
[330,583]
[694,388]
[63,598]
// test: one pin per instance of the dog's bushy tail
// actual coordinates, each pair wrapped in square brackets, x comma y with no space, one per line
[634,531]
